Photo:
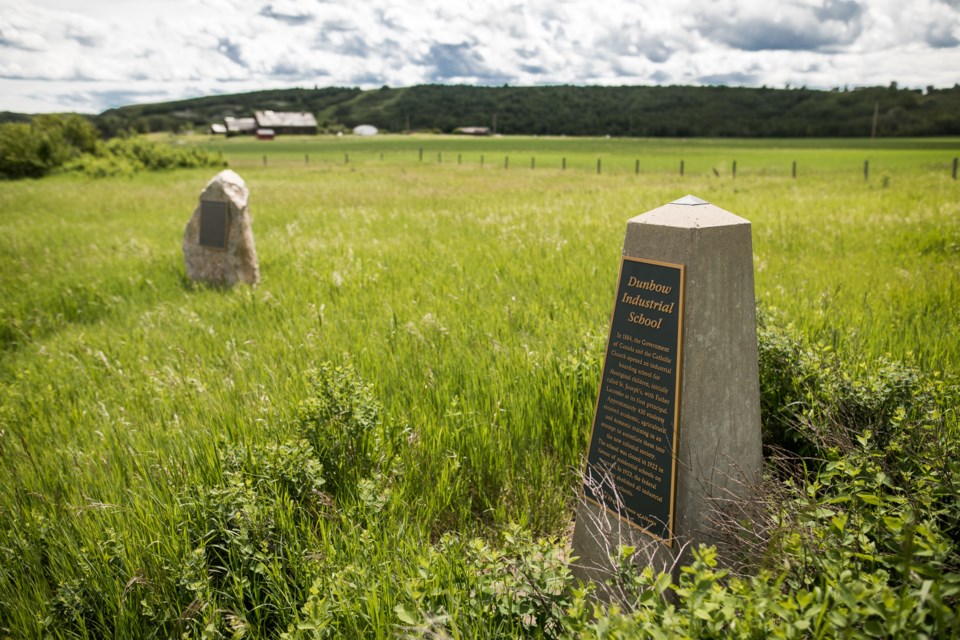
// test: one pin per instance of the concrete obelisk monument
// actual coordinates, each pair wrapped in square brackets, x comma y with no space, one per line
[676,434]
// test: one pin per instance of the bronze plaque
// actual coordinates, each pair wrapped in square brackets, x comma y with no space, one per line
[631,463]
[214,224]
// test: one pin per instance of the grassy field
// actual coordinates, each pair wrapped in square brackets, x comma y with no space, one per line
[461,310]
[617,155]
[820,239]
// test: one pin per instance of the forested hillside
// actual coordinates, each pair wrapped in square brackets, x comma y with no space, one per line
[572,110]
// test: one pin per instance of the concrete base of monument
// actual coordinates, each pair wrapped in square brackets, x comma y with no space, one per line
[599,536]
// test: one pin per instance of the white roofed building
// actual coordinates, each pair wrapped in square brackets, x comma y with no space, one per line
[287,122]
[473,131]
[240,126]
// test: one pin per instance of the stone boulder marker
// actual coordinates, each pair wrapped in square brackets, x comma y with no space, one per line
[218,243]
[676,438]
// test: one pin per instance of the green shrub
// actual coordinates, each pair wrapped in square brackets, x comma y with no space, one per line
[706,602]
[154,156]
[806,391]
[20,152]
[865,547]
[127,156]
[340,418]
[520,588]
[287,470]
[47,143]
[244,531]
[63,137]
[104,166]
[69,141]
[459,588]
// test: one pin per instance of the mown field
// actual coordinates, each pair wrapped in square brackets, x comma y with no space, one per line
[383,438]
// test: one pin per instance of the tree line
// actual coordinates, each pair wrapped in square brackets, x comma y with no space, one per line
[649,111]
[583,111]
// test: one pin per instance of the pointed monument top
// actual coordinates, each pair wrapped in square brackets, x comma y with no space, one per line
[690,201]
[688,212]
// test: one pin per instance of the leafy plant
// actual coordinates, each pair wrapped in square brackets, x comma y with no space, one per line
[340,418]
[811,399]
[459,588]
[243,527]
[46,143]
[130,155]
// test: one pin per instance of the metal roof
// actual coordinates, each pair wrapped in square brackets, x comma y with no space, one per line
[285,119]
[473,131]
[240,124]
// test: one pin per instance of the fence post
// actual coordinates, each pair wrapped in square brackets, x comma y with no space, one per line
[564,164]
[421,154]
[459,158]
[955,168]
[866,169]
[506,162]
[306,158]
[734,168]
[481,160]
[533,163]
[793,171]
[346,158]
[681,167]
[636,168]
[439,158]
[598,166]
[381,156]
[264,159]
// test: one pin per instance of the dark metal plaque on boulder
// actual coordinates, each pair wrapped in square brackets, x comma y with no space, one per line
[213,224]
[631,464]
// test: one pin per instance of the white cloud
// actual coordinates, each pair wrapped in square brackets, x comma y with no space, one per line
[55,56]
[795,25]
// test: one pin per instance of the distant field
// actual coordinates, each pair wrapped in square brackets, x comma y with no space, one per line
[618,155]
[475,301]
[841,255]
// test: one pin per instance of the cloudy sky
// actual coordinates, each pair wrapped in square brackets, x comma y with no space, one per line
[90,55]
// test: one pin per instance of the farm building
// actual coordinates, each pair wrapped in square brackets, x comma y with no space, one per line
[265,134]
[473,131]
[218,129]
[286,122]
[240,126]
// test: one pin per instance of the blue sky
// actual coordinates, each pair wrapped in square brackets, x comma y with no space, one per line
[91,55]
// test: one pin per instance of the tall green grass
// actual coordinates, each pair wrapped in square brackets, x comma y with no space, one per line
[147,423]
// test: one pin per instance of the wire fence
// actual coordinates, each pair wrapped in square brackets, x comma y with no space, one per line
[614,165]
